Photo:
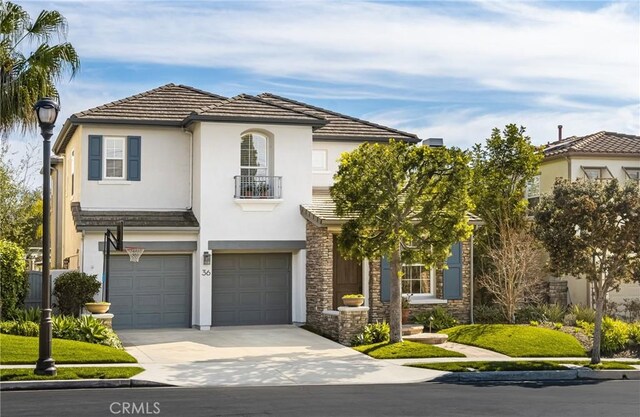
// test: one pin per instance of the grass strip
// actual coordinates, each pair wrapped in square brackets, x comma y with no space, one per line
[26,374]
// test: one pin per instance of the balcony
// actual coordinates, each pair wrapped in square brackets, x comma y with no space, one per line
[252,187]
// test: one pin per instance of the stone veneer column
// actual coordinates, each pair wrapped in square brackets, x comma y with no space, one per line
[352,321]
[319,290]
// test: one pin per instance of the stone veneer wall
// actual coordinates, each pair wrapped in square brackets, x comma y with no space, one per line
[460,309]
[557,293]
[352,321]
[319,292]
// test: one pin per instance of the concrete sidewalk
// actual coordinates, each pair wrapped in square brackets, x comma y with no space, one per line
[257,355]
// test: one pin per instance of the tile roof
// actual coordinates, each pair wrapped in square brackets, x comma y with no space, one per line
[168,103]
[90,219]
[341,126]
[245,106]
[598,143]
[322,211]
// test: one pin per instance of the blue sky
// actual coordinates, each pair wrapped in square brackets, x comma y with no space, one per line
[439,69]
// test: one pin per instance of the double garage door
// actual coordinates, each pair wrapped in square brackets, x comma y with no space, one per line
[155,292]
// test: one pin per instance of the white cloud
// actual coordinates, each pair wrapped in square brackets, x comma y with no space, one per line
[523,47]
[465,127]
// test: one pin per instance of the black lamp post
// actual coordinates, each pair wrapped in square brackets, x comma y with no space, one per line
[47,111]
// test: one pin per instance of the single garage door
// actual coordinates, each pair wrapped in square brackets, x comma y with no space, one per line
[154,292]
[251,289]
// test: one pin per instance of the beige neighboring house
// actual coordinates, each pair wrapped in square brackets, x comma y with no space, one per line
[599,156]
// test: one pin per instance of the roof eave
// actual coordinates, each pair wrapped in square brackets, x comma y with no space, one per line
[590,154]
[243,119]
[346,138]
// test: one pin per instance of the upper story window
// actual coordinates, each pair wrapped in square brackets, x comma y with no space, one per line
[632,173]
[532,192]
[319,160]
[114,157]
[254,155]
[597,173]
[418,279]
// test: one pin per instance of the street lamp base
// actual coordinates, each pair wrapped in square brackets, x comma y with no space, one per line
[46,367]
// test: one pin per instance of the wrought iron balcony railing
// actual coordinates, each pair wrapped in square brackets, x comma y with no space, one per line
[258,187]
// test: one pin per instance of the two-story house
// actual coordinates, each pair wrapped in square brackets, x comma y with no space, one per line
[600,156]
[228,199]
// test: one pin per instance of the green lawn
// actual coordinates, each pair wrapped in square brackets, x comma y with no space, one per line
[517,340]
[24,350]
[484,366]
[22,374]
[406,349]
[491,366]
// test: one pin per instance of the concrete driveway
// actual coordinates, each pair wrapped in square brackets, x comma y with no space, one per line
[257,355]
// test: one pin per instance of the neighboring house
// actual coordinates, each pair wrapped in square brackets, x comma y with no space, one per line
[228,198]
[600,156]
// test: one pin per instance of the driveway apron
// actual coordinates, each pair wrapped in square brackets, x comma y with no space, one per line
[257,355]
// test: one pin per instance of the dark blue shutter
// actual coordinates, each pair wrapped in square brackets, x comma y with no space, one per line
[133,158]
[385,280]
[95,157]
[453,276]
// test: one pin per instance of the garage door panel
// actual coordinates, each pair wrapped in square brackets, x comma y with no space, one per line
[154,292]
[251,289]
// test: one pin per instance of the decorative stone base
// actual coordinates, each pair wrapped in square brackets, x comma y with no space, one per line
[409,329]
[106,319]
[344,324]
[427,338]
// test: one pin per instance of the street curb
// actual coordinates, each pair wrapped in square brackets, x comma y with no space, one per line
[523,376]
[78,383]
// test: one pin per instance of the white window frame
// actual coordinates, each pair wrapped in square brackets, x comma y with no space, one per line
[432,283]
[532,189]
[628,170]
[268,159]
[602,171]
[122,140]
[324,167]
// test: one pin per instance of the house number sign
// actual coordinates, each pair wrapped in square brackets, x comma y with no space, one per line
[206,272]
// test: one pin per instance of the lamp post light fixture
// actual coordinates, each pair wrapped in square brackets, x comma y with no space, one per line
[47,112]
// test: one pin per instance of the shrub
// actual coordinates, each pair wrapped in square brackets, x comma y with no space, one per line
[615,336]
[487,314]
[634,333]
[14,284]
[436,319]
[65,327]
[74,289]
[583,313]
[557,326]
[632,309]
[529,313]
[84,329]
[372,333]
[19,328]
[569,319]
[534,323]
[553,312]
[27,314]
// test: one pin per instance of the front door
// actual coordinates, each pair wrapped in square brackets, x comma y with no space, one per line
[347,276]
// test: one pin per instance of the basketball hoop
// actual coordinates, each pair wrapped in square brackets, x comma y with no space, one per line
[134,253]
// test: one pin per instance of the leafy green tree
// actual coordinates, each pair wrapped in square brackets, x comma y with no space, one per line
[13,281]
[24,79]
[591,229]
[20,206]
[73,289]
[502,167]
[407,203]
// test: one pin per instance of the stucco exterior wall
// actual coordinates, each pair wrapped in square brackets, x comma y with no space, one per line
[165,171]
[71,239]
[334,150]
[549,171]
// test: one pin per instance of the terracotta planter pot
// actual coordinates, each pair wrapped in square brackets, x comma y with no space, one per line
[353,302]
[405,315]
[97,308]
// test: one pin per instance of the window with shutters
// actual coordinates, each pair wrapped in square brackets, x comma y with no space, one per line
[114,157]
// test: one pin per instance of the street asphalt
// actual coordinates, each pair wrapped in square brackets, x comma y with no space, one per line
[566,399]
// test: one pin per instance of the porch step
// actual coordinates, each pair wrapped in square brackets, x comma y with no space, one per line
[408,329]
[428,338]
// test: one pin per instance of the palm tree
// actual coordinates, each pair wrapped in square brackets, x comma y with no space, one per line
[24,79]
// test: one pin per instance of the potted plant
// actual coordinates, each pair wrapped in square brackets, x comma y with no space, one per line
[262,189]
[406,308]
[247,190]
[100,307]
[353,300]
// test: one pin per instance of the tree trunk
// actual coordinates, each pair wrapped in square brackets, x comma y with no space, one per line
[597,331]
[395,305]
